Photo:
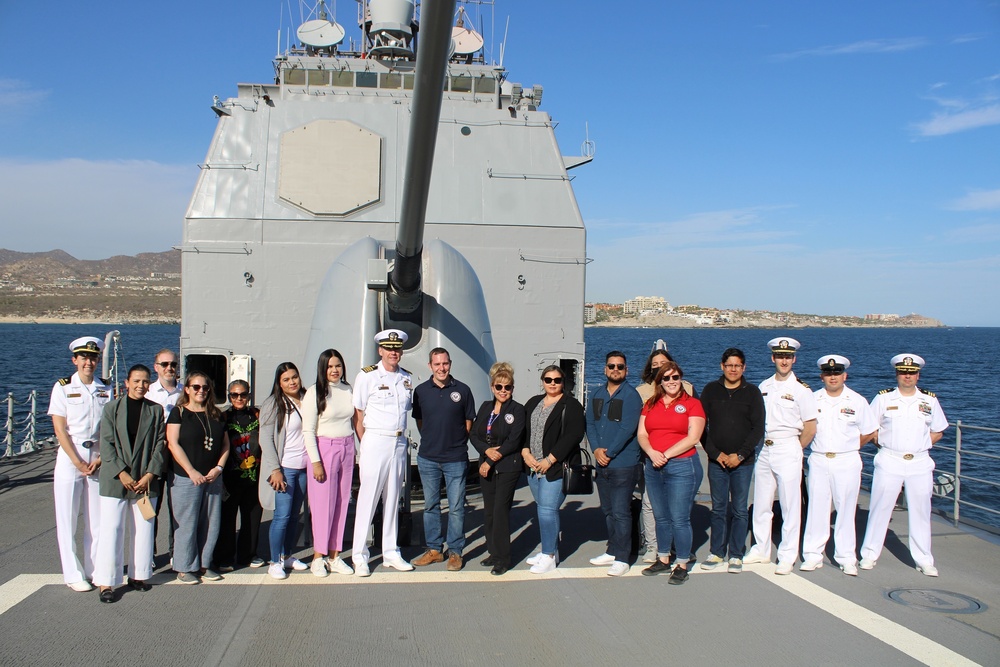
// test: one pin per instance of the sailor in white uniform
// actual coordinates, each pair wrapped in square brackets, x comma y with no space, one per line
[789,425]
[845,423]
[910,421]
[75,406]
[382,395]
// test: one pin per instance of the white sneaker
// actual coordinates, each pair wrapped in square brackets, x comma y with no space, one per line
[339,566]
[712,562]
[534,559]
[277,571]
[735,565]
[257,562]
[81,586]
[545,563]
[929,570]
[618,569]
[867,564]
[396,562]
[361,569]
[292,563]
[318,567]
[783,568]
[603,559]
[851,569]
[810,565]
[754,557]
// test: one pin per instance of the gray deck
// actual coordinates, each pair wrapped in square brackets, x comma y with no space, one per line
[575,615]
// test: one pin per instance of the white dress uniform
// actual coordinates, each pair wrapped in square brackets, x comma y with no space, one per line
[905,424]
[779,467]
[385,398]
[835,475]
[81,405]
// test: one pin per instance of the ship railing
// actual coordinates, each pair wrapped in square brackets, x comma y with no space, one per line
[21,426]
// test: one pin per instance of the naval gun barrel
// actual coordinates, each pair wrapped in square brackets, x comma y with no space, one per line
[432,60]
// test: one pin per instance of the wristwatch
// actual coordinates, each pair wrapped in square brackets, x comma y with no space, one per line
[740,457]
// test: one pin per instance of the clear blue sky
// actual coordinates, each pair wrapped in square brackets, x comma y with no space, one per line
[836,158]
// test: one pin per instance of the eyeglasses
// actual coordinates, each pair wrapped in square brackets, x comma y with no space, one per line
[616,367]
[670,378]
[504,387]
[198,387]
[548,380]
[167,364]
[237,394]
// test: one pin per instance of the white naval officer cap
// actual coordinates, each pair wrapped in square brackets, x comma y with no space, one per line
[907,362]
[833,363]
[87,345]
[783,345]
[391,339]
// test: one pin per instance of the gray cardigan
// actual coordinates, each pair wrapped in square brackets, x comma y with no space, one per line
[146,455]
[272,448]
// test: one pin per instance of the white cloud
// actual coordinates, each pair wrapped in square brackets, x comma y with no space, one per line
[93,209]
[16,95]
[968,119]
[887,45]
[978,200]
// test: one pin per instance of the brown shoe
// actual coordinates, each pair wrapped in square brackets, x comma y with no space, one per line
[428,557]
[454,561]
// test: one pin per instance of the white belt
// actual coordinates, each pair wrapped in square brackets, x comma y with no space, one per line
[780,439]
[833,455]
[906,456]
[391,434]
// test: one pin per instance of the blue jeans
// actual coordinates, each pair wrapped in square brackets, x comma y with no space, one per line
[730,493]
[549,498]
[431,473]
[285,522]
[614,486]
[196,520]
[671,493]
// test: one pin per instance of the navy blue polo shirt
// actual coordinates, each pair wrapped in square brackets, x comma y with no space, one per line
[443,412]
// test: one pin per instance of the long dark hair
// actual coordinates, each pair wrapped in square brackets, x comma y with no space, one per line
[322,384]
[281,402]
[648,372]
[210,407]
[658,392]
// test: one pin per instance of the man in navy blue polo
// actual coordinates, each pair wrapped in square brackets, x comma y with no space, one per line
[444,409]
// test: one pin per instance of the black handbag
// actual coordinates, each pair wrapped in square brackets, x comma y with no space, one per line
[578,477]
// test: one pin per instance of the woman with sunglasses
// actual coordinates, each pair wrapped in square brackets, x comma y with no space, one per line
[240,479]
[556,424]
[284,462]
[199,445]
[498,436]
[671,425]
[328,427]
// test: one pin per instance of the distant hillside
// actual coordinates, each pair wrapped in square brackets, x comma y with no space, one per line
[34,267]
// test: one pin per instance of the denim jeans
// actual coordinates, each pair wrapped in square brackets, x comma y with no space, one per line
[730,493]
[614,486]
[453,472]
[549,498]
[285,522]
[197,517]
[671,492]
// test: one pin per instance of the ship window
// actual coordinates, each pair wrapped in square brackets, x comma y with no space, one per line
[486,84]
[461,84]
[295,77]
[390,81]
[367,80]
[407,82]
[343,79]
[318,77]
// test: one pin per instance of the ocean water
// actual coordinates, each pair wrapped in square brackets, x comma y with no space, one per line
[959,369]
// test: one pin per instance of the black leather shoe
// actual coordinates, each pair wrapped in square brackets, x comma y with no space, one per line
[108,596]
[499,570]
[139,585]
[656,568]
[487,562]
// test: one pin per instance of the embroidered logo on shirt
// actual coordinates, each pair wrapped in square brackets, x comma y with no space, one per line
[509,418]
[456,397]
[680,409]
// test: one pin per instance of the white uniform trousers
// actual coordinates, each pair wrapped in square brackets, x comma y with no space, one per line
[115,514]
[778,468]
[381,468]
[832,482]
[74,493]
[916,476]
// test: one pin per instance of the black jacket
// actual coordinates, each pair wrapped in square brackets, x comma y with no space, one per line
[561,437]
[734,419]
[507,433]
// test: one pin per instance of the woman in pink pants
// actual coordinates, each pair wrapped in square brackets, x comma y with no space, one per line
[328,427]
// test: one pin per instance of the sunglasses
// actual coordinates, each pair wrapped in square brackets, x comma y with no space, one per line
[552,380]
[238,394]
[167,364]
[616,367]
[670,378]
[907,372]
[504,387]
[198,387]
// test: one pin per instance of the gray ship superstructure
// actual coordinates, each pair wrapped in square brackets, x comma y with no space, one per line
[318,185]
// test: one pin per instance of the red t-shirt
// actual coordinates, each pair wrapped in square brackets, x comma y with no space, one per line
[668,426]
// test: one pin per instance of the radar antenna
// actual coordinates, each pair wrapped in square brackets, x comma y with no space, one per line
[391,28]
[588,148]
[320,33]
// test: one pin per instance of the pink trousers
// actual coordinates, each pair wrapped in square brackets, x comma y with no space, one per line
[328,500]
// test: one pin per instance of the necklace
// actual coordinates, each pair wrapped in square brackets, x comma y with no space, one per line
[206,427]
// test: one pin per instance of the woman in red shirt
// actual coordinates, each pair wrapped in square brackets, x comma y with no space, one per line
[669,428]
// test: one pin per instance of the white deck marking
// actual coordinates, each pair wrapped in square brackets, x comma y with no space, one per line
[901,638]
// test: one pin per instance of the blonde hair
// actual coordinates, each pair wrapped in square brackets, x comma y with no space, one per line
[501,369]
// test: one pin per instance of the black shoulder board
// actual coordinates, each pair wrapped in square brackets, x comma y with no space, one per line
[929,393]
[369,369]
[886,391]
[405,371]
[106,381]
[65,381]
[803,383]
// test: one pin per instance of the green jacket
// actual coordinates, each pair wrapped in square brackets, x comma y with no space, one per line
[146,455]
